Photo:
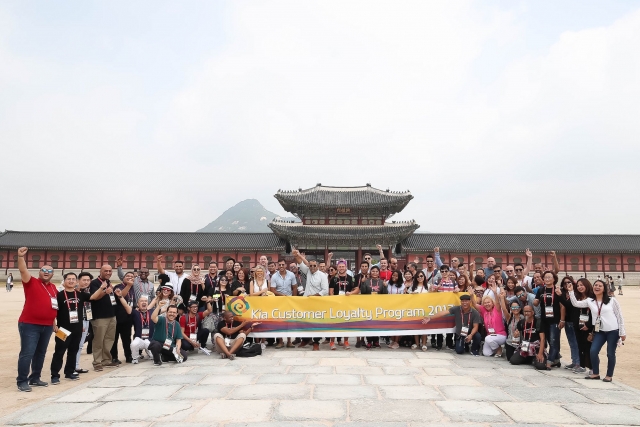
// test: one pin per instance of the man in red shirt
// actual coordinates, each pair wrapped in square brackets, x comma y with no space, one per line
[191,323]
[36,322]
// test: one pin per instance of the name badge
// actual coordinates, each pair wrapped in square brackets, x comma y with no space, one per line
[597,325]
[193,337]
[227,342]
[491,331]
[88,314]
[130,303]
[584,318]
[192,297]
[300,289]
[113,299]
[524,346]
[73,316]
[167,344]
[54,303]
[145,333]
[515,340]
[548,310]
[341,293]
[464,331]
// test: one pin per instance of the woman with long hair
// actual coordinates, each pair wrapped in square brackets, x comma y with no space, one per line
[419,286]
[510,286]
[531,347]
[241,284]
[571,316]
[464,284]
[551,315]
[374,285]
[584,326]
[396,287]
[512,313]
[259,285]
[608,326]
[408,281]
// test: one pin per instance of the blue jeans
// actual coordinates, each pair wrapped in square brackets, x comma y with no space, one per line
[475,343]
[599,338]
[554,342]
[573,343]
[34,340]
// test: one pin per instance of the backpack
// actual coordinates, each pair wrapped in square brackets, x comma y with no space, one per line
[249,350]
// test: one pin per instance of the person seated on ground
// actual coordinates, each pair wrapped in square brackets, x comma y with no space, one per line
[195,335]
[512,314]
[467,324]
[531,348]
[231,335]
[142,327]
[167,336]
[494,325]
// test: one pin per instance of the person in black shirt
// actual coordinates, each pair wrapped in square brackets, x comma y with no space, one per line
[374,285]
[70,316]
[531,349]
[551,315]
[241,284]
[194,288]
[342,284]
[358,279]
[230,335]
[103,301]
[123,320]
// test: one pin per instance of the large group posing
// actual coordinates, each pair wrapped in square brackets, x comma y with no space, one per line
[517,312]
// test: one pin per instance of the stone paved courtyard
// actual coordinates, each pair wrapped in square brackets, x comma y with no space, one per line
[298,387]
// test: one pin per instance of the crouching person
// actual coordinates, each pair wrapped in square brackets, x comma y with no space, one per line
[195,336]
[142,327]
[467,322]
[167,336]
[531,335]
[230,335]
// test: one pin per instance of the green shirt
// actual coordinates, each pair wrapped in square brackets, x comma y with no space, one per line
[161,328]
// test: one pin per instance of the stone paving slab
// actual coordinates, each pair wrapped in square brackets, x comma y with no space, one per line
[605,413]
[355,388]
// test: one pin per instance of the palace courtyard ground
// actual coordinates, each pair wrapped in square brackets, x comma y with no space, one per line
[327,388]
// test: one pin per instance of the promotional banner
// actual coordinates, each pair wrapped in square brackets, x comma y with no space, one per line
[345,316]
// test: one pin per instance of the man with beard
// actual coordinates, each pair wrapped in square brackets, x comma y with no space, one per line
[123,320]
[284,283]
[342,284]
[35,324]
[141,284]
[176,278]
[167,336]
[103,301]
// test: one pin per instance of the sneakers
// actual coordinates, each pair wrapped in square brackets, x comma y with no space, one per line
[98,368]
[358,343]
[302,343]
[55,380]
[81,371]
[424,348]
[279,345]
[149,354]
[263,346]
[38,383]
[115,362]
[72,377]
[579,370]
[368,345]
[333,346]
[135,361]
[316,346]
[290,345]
[571,366]
[376,344]
[24,387]
[414,346]
[346,345]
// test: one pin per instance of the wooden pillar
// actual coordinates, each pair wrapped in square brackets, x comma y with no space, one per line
[326,256]
[139,260]
[217,256]
[508,260]
[64,261]
[101,258]
[622,265]
[82,269]
[584,264]
[6,271]
[46,253]
[566,270]
[389,253]
[358,258]
[603,265]
[198,258]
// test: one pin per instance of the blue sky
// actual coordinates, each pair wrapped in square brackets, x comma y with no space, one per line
[500,116]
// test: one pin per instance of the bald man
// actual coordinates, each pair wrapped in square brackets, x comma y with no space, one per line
[103,302]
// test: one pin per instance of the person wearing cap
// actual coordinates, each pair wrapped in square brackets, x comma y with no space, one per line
[165,294]
[195,335]
[467,322]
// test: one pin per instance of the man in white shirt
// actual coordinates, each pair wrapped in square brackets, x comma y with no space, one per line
[317,285]
[176,278]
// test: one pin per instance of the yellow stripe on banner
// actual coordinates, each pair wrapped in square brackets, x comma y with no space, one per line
[354,315]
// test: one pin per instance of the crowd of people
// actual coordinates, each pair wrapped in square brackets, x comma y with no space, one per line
[517,312]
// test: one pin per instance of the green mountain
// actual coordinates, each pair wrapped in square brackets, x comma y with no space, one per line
[248,216]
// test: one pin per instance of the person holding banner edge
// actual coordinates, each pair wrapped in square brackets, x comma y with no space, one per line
[467,323]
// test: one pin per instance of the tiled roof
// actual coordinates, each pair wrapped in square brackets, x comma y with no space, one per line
[389,233]
[140,241]
[502,243]
[358,198]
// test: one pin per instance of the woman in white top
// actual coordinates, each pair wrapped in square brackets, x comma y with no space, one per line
[259,285]
[608,326]
[408,281]
[396,287]
[419,287]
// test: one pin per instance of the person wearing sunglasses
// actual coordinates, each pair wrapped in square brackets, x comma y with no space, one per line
[103,302]
[284,283]
[431,273]
[36,322]
[141,283]
[512,314]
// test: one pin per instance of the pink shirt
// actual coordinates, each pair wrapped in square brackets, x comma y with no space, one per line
[493,319]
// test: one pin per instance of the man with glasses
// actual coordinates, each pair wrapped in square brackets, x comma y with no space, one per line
[316,285]
[489,269]
[509,271]
[141,283]
[124,324]
[35,324]
[284,283]
[431,272]
[455,261]
[103,302]
[176,278]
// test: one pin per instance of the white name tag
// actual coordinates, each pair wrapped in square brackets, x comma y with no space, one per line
[113,299]
[193,337]
[192,297]
[491,331]
[524,346]
[145,333]
[88,314]
[54,303]
[73,316]
[584,318]
[464,331]
[167,344]
[598,325]
[227,342]
[341,293]
[548,311]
